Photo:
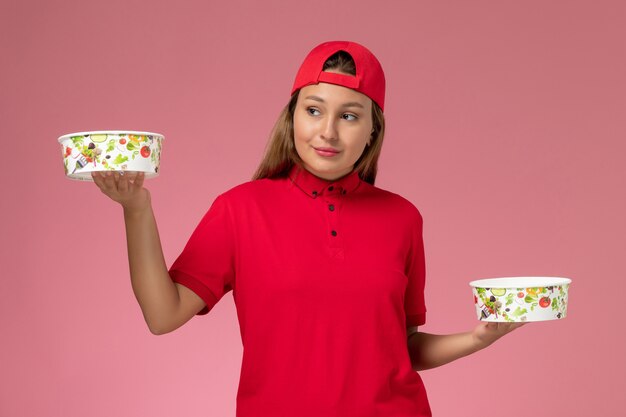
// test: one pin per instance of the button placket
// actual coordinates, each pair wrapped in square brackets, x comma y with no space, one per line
[333,201]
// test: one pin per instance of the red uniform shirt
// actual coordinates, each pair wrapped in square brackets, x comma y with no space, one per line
[326,276]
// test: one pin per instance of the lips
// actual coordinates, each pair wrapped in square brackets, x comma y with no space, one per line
[326,151]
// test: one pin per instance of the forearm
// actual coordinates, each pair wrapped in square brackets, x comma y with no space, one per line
[156,293]
[431,350]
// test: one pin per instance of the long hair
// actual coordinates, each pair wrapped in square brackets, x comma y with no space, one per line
[280,153]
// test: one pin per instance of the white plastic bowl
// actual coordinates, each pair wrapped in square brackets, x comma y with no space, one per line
[517,299]
[110,150]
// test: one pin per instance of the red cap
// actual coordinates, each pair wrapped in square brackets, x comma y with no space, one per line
[369,79]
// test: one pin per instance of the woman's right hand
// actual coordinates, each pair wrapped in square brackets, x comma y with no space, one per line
[126,189]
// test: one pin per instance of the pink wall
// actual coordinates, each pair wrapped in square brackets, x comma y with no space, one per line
[505,128]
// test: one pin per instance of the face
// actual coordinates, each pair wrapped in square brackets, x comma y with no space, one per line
[332,127]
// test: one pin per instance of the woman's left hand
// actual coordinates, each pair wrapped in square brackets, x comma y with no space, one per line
[488,332]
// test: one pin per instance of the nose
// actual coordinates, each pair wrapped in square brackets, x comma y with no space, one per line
[329,129]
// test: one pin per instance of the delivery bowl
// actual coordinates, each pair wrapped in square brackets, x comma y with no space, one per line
[110,150]
[519,299]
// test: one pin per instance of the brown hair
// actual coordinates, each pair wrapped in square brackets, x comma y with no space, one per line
[280,154]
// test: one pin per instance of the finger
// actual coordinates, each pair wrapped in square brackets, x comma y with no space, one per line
[98,178]
[139,180]
[491,326]
[132,179]
[106,184]
[116,177]
[109,180]
[503,328]
[122,183]
[513,326]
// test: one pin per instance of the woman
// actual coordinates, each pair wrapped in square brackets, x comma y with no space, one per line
[327,270]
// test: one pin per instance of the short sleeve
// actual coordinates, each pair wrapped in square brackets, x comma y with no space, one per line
[414,303]
[206,265]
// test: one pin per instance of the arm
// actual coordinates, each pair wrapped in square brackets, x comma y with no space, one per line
[430,350]
[164,304]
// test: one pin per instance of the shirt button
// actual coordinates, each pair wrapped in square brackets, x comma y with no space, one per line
[331,207]
[331,188]
[334,233]
[314,193]
[343,192]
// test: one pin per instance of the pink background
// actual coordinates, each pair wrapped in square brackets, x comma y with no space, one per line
[506,129]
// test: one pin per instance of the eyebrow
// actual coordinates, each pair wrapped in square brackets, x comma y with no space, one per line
[349,104]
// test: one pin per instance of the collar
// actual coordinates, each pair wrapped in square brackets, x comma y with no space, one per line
[314,186]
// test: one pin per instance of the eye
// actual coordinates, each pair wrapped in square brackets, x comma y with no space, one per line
[312,111]
[349,117]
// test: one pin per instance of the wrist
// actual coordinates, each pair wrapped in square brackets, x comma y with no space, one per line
[135,212]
